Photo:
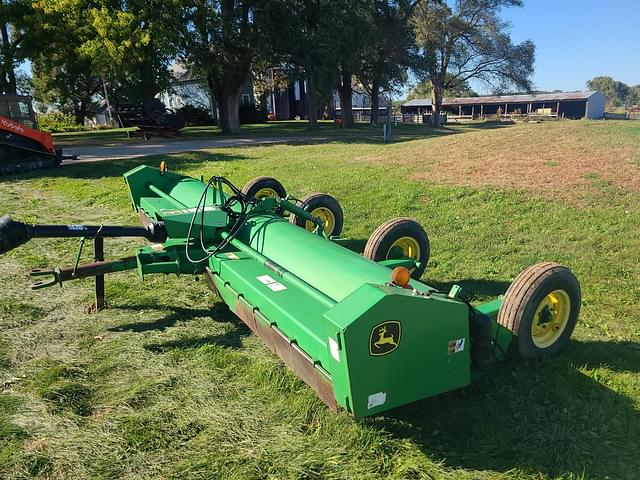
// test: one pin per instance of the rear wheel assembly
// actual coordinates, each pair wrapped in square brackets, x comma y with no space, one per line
[262,187]
[541,309]
[326,208]
[400,238]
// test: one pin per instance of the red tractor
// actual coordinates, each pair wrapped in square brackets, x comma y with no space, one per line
[22,146]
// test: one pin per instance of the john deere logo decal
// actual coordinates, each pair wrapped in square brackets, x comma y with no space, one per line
[385,338]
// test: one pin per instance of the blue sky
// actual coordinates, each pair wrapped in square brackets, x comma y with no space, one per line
[577,40]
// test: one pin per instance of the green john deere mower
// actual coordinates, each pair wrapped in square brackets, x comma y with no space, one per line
[361,330]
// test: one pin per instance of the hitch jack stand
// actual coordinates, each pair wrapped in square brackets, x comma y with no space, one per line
[98,255]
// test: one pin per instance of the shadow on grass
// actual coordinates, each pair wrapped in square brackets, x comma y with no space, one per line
[544,418]
[219,313]
[489,124]
[232,339]
[116,168]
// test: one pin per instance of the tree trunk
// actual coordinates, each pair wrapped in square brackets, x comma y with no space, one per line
[148,86]
[230,121]
[312,103]
[215,98]
[8,84]
[436,105]
[375,102]
[80,113]
[227,95]
[346,99]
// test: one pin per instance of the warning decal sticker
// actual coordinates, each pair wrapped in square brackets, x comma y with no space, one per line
[271,283]
[456,346]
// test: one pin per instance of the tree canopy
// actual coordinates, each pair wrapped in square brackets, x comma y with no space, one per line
[221,40]
[618,94]
[468,41]
[14,16]
[388,54]
[80,47]
[457,88]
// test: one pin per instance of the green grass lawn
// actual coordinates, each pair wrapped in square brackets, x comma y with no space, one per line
[166,383]
[326,129]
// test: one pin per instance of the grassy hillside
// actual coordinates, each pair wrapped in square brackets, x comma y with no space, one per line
[166,383]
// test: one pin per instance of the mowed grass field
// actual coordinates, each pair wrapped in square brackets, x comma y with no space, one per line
[289,129]
[166,383]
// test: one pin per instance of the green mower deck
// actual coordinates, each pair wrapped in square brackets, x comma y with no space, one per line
[355,328]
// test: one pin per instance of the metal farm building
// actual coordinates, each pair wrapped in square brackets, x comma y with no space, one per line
[560,105]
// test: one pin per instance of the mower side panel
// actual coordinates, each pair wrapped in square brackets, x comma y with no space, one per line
[273,316]
[431,355]
[294,312]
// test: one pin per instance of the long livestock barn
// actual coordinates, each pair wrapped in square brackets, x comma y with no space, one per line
[561,105]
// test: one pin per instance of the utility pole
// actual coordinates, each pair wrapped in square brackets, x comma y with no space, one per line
[386,127]
[273,95]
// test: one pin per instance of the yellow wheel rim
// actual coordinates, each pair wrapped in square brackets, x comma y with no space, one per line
[550,319]
[266,192]
[405,247]
[327,217]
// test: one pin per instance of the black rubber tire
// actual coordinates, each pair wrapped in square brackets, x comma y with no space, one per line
[379,244]
[523,298]
[254,186]
[317,200]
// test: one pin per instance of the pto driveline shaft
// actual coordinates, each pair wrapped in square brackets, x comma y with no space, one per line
[14,233]
[153,232]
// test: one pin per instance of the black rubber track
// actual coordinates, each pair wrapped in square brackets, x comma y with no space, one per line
[15,160]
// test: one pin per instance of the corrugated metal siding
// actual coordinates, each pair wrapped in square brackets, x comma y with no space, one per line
[542,97]
[595,106]
[418,102]
[501,99]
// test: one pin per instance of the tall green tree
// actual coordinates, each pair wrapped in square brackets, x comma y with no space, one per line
[132,43]
[221,40]
[67,86]
[306,46]
[388,53]
[634,97]
[352,28]
[468,40]
[63,77]
[617,94]
[13,16]
[457,88]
